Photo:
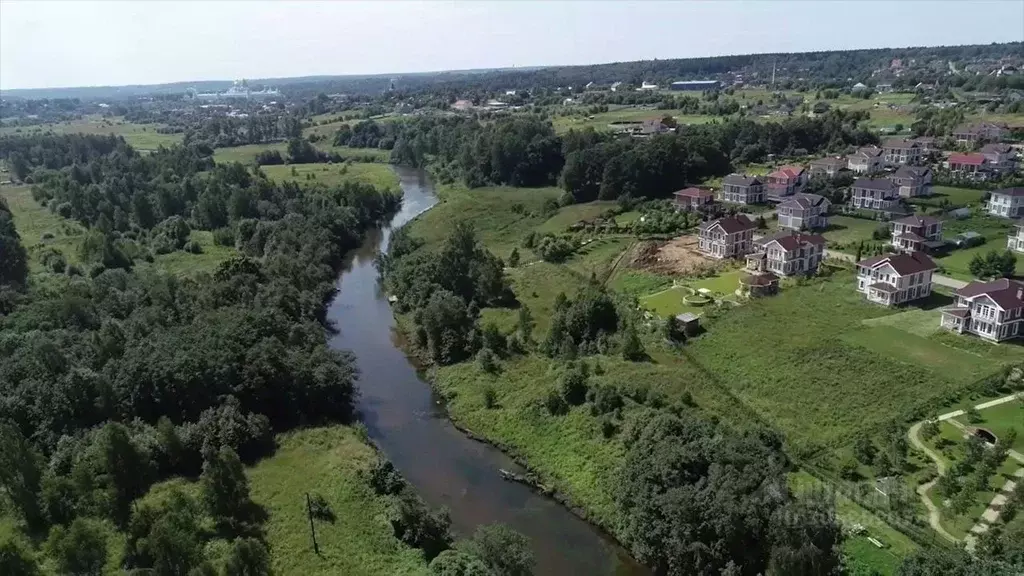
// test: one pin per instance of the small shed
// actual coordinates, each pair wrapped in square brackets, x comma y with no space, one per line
[960,213]
[689,322]
[753,285]
[968,239]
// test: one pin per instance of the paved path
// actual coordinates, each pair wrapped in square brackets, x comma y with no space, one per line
[934,514]
[982,406]
[936,278]
[991,514]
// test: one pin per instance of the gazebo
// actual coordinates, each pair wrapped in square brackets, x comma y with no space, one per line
[765,284]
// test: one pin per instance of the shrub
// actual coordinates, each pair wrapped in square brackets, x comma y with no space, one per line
[193,247]
[490,398]
[556,404]
[573,385]
[224,237]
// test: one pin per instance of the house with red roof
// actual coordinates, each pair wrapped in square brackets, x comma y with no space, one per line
[892,279]
[992,310]
[970,165]
[692,198]
[787,253]
[785,181]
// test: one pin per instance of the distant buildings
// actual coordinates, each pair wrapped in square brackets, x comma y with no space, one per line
[969,134]
[695,85]
[239,90]
[692,198]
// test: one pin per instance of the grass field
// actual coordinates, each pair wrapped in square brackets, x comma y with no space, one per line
[844,229]
[955,196]
[328,462]
[33,220]
[995,231]
[247,154]
[380,175]
[801,361]
[1000,419]
[857,547]
[140,136]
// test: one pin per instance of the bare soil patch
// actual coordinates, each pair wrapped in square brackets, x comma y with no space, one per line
[678,256]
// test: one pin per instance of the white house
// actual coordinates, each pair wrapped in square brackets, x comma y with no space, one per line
[893,279]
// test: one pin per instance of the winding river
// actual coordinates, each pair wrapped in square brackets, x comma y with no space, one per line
[407,421]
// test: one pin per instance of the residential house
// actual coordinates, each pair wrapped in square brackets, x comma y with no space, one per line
[899,151]
[971,134]
[652,127]
[803,212]
[928,144]
[913,181]
[1007,202]
[785,181]
[1015,241]
[866,160]
[828,167]
[787,253]
[692,198]
[729,237]
[970,165]
[874,193]
[893,279]
[991,310]
[742,189]
[1001,157]
[917,233]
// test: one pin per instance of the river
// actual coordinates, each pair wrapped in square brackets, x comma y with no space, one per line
[407,421]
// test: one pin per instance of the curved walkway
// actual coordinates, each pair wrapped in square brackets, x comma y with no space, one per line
[934,514]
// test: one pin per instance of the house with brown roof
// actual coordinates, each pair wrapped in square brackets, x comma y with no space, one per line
[729,237]
[866,160]
[874,193]
[787,253]
[928,144]
[1007,202]
[1000,157]
[917,234]
[742,189]
[692,198]
[1015,241]
[803,212]
[913,181]
[992,310]
[899,151]
[970,134]
[785,181]
[828,167]
[893,279]
[970,165]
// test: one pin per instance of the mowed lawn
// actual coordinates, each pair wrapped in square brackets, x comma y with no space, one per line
[328,462]
[380,175]
[1000,420]
[140,136]
[845,230]
[807,363]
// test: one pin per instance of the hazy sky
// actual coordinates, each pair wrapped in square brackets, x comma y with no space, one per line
[49,43]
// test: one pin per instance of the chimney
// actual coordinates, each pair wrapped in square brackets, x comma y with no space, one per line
[1020,293]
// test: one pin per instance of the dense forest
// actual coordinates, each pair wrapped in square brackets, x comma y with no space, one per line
[525,151]
[114,378]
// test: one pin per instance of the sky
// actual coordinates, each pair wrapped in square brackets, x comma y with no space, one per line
[48,43]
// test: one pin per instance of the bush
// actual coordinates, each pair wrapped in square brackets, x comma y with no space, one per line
[490,398]
[573,385]
[224,237]
[485,361]
[556,404]
[193,247]
[555,248]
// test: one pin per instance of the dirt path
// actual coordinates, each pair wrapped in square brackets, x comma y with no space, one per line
[934,514]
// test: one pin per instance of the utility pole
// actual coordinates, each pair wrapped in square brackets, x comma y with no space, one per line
[312,527]
[773,73]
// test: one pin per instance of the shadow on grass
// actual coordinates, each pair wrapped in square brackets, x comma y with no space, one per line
[933,301]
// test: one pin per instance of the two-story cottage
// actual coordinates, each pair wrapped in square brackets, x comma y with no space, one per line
[913,181]
[928,144]
[729,237]
[1007,202]
[692,198]
[970,165]
[1015,241]
[742,189]
[893,279]
[1001,157]
[828,167]
[803,212]
[991,310]
[917,233]
[787,253]
[901,151]
[970,134]
[874,193]
[866,160]
[785,181]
